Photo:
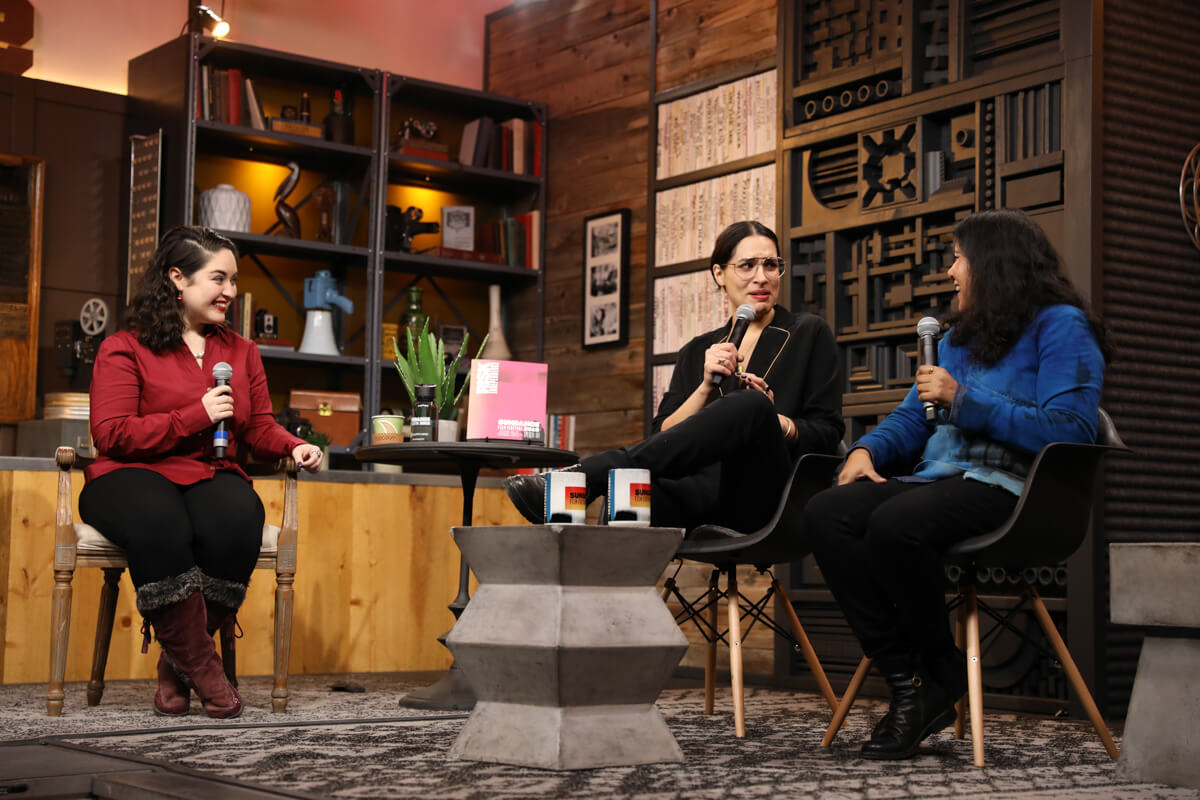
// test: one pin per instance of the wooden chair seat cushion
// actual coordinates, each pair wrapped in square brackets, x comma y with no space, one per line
[89,540]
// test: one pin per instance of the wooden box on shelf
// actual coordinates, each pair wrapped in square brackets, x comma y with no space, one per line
[336,414]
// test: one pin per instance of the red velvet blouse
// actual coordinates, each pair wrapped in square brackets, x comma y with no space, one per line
[147,412]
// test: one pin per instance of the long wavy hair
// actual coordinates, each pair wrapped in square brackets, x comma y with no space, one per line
[1014,273]
[154,314]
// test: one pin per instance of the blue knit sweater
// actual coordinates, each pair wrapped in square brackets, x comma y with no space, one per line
[1045,389]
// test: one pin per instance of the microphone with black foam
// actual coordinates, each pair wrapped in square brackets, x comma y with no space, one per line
[222,373]
[741,321]
[927,332]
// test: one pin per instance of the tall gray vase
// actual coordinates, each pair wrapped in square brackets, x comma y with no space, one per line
[566,645]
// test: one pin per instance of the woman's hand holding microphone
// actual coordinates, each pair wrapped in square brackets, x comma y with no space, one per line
[218,402]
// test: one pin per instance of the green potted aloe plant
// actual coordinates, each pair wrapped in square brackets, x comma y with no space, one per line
[426,363]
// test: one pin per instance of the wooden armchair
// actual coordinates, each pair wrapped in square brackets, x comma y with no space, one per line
[77,544]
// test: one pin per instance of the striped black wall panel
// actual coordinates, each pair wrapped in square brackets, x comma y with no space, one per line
[1150,288]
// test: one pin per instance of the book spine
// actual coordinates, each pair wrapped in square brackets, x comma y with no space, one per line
[233,86]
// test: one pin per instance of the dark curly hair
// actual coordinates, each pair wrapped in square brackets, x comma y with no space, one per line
[153,313]
[731,237]
[1014,273]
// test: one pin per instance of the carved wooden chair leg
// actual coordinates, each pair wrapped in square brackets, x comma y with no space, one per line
[60,631]
[228,636]
[960,639]
[735,653]
[1077,683]
[839,714]
[284,601]
[104,628]
[710,651]
[974,674]
[810,655]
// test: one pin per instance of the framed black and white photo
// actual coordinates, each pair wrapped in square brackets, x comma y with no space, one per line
[606,278]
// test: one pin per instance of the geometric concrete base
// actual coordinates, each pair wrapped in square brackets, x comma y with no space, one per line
[566,645]
[1162,735]
[566,738]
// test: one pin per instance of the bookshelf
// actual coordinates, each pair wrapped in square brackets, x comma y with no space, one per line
[714,157]
[205,142]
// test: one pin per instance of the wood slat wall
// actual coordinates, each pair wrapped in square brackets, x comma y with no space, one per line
[1151,289]
[589,62]
[376,570]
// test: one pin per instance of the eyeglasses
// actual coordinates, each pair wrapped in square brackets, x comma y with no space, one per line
[748,266]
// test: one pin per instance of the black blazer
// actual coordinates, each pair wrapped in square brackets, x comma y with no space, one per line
[797,356]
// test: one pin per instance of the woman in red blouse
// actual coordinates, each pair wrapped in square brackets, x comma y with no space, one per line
[190,523]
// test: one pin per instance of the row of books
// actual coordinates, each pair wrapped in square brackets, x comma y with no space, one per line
[687,219]
[239,316]
[732,121]
[560,431]
[514,145]
[686,306]
[515,241]
[225,95]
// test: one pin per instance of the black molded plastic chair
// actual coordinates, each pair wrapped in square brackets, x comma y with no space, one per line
[781,539]
[1049,523]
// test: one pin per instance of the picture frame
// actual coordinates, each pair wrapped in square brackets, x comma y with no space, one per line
[606,279]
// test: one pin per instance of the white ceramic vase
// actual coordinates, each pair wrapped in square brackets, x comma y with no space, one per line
[447,430]
[225,208]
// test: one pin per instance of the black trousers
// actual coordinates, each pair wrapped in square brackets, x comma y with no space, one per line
[725,464]
[880,548]
[167,530]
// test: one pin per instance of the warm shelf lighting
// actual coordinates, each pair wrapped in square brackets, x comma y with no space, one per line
[206,20]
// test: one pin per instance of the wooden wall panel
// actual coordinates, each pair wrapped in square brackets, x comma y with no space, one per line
[376,570]
[701,38]
[589,62]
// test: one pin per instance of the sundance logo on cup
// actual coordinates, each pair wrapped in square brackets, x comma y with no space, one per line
[566,497]
[387,429]
[629,497]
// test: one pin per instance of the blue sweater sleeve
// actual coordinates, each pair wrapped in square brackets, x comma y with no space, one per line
[1070,372]
[901,437]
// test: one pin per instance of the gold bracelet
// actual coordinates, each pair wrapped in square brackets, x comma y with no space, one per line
[791,429]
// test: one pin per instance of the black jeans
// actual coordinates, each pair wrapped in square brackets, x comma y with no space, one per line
[725,464]
[167,529]
[880,547]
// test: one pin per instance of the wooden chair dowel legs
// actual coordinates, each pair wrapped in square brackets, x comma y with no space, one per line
[1077,683]
[104,627]
[735,653]
[839,714]
[974,675]
[60,620]
[810,655]
[960,639]
[284,596]
[710,651]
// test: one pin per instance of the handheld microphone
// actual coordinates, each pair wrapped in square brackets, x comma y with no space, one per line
[927,332]
[221,373]
[741,321]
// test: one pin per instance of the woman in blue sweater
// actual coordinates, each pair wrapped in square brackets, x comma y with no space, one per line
[1020,366]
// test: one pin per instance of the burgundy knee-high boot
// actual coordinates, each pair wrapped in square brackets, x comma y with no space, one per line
[173,697]
[181,630]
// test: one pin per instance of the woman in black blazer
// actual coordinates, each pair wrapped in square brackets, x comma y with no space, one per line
[721,454]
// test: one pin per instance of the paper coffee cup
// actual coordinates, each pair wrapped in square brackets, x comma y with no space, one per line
[566,498]
[628,497]
[387,428]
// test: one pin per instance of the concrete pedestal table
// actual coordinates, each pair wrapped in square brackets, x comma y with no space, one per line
[451,692]
[1155,584]
[566,645]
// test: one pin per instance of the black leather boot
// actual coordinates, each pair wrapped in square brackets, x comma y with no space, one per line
[919,708]
[528,493]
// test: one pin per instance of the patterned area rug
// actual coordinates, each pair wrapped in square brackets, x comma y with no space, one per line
[336,744]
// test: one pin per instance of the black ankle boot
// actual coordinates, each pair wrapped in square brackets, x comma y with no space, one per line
[919,708]
[528,493]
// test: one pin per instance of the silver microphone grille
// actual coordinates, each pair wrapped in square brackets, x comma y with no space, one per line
[745,311]
[928,326]
[222,371]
